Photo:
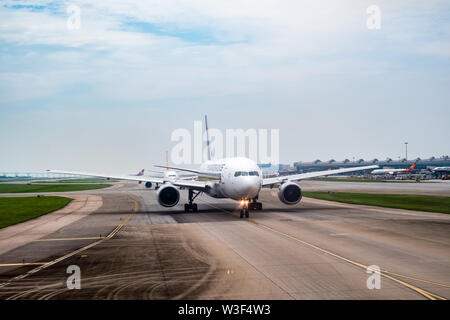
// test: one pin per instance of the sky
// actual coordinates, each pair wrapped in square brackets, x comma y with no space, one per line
[107,96]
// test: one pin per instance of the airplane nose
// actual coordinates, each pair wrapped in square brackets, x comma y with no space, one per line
[248,188]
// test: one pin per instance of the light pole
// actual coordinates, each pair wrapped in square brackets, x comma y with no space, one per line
[406,154]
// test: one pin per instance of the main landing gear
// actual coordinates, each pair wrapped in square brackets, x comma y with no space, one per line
[191,206]
[254,205]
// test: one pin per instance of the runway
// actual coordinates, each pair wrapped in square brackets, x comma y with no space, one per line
[132,248]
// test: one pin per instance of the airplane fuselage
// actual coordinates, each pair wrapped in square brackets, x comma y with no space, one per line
[170,175]
[388,171]
[239,178]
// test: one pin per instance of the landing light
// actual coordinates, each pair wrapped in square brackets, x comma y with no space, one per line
[244,202]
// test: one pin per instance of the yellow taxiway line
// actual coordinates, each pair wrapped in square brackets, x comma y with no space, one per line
[425,293]
[383,273]
[50,263]
[68,239]
[22,264]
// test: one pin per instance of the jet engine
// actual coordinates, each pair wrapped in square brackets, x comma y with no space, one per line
[168,195]
[290,193]
[148,184]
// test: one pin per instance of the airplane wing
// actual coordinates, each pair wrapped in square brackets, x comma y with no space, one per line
[301,176]
[177,168]
[188,177]
[199,173]
[108,176]
[191,184]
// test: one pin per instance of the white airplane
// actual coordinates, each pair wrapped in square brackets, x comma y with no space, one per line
[168,175]
[234,178]
[447,169]
[140,173]
[394,171]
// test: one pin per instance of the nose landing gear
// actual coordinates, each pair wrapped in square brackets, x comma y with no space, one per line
[247,206]
[245,210]
[244,213]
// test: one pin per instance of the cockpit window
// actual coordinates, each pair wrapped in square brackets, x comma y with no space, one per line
[245,173]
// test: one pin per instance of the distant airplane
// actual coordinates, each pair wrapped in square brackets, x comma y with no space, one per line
[394,171]
[447,169]
[173,175]
[168,175]
[235,178]
[140,173]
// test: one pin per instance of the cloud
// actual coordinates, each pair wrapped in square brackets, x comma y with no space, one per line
[311,60]
[175,49]
[436,49]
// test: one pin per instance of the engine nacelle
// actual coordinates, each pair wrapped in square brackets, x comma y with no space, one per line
[168,195]
[290,193]
[148,184]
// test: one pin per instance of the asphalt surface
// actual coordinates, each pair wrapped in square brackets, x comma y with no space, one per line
[431,187]
[132,248]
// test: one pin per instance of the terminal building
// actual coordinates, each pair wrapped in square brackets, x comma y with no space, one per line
[421,164]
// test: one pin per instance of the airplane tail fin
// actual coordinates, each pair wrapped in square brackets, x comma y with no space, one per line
[413,166]
[141,173]
[207,137]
